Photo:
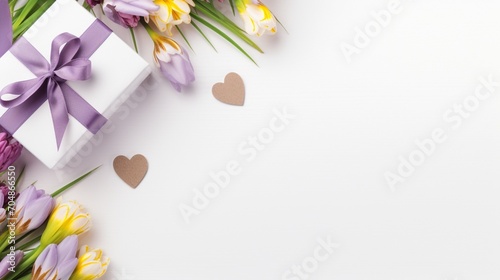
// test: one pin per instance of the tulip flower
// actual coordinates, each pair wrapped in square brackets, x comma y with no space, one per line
[92,3]
[4,190]
[171,13]
[91,264]
[127,13]
[10,150]
[172,59]
[256,16]
[68,218]
[57,261]
[174,62]
[10,262]
[33,206]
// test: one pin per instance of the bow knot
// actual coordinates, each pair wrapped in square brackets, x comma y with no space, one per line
[65,65]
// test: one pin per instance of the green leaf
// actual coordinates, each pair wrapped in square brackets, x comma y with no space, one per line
[26,10]
[74,182]
[228,24]
[203,34]
[184,37]
[18,31]
[213,12]
[284,28]
[232,7]
[12,5]
[223,35]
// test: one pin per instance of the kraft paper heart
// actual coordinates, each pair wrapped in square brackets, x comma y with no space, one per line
[131,171]
[232,91]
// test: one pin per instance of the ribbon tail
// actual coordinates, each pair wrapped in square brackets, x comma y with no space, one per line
[82,111]
[58,109]
[5,27]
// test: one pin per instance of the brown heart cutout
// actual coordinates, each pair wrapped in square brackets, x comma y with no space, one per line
[131,171]
[232,91]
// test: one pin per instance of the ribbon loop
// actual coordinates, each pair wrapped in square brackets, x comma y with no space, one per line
[23,90]
[64,48]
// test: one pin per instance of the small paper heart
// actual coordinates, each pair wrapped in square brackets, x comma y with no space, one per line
[131,171]
[232,91]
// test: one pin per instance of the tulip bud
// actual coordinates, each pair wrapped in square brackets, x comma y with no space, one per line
[257,17]
[91,264]
[56,261]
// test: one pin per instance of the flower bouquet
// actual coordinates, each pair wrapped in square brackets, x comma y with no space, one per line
[159,18]
[38,232]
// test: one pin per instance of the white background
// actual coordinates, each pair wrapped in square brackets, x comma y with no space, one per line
[324,174]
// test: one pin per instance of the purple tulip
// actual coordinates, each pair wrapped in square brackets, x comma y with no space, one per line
[9,262]
[57,261]
[10,150]
[179,70]
[32,209]
[92,3]
[127,13]
[4,190]
[173,61]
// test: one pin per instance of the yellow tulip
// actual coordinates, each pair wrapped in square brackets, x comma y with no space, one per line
[257,17]
[171,13]
[68,218]
[91,265]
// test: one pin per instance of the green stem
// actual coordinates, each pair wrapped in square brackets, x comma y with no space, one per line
[133,39]
[26,277]
[148,28]
[86,6]
[4,245]
[4,240]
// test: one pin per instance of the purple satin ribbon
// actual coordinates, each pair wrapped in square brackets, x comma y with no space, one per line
[5,27]
[69,61]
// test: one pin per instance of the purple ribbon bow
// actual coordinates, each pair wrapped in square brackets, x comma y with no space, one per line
[69,61]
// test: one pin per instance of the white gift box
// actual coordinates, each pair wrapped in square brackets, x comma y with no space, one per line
[117,71]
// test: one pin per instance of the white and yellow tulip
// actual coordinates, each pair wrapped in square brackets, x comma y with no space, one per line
[69,218]
[258,19]
[171,13]
[91,264]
